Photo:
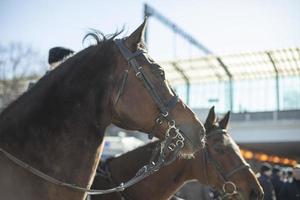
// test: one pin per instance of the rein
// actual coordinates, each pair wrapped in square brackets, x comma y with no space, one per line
[229,188]
[166,156]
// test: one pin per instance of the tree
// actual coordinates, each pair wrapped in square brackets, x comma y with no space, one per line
[19,64]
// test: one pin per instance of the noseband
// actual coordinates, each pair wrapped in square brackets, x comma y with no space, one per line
[229,188]
[165,109]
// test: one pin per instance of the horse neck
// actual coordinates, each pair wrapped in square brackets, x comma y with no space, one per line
[170,178]
[131,162]
[60,122]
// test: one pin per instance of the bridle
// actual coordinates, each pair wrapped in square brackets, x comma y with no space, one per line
[165,109]
[229,188]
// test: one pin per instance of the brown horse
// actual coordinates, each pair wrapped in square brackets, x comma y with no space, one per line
[61,121]
[219,165]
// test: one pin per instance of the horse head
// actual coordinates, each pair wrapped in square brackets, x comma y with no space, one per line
[224,167]
[143,100]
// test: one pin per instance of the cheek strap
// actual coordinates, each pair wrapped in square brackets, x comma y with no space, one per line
[121,88]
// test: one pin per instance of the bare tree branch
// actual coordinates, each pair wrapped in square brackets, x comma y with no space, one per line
[18,64]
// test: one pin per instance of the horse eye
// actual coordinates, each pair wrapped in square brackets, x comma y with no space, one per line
[219,148]
[150,59]
[162,73]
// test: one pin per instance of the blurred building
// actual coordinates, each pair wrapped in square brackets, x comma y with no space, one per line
[261,89]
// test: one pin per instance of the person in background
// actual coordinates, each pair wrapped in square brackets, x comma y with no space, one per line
[265,181]
[289,175]
[56,56]
[291,190]
[276,180]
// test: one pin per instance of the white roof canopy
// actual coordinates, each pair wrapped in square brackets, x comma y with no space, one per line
[254,65]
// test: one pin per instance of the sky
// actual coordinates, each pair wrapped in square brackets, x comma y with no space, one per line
[224,27]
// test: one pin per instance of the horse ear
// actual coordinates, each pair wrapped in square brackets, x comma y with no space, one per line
[211,118]
[137,37]
[224,122]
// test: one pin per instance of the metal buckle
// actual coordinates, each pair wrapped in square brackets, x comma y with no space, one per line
[180,143]
[165,114]
[172,146]
[227,185]
[138,74]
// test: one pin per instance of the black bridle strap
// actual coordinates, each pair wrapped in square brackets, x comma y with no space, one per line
[147,83]
[205,164]
[128,55]
[225,176]
[215,164]
[235,170]
[121,89]
[139,71]
[172,103]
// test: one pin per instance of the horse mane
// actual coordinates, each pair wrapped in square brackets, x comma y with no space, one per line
[100,37]
[54,96]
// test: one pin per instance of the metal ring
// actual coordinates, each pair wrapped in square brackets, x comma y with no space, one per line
[159,121]
[231,184]
[180,136]
[172,123]
[174,137]
[180,143]
[172,146]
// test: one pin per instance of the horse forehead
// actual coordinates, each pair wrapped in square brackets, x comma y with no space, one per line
[226,140]
[144,57]
[232,144]
[216,134]
[229,142]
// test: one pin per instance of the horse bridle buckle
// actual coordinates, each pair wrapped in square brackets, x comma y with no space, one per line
[159,121]
[229,188]
[178,137]
[165,114]
[172,147]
